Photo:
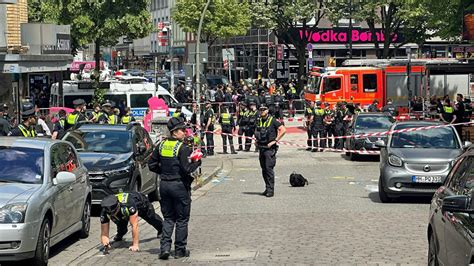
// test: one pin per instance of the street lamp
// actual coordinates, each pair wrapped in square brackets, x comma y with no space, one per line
[198,59]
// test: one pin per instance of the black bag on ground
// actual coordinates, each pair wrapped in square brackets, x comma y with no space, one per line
[297,180]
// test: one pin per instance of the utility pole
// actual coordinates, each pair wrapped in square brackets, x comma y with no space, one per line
[350,29]
[170,42]
[408,51]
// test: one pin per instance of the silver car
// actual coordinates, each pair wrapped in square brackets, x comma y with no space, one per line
[416,163]
[45,196]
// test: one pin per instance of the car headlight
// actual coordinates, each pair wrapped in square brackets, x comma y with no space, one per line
[395,160]
[13,213]
[119,171]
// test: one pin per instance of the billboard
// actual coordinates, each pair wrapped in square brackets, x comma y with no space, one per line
[468,25]
[342,36]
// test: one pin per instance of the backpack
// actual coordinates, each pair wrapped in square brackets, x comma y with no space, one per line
[297,180]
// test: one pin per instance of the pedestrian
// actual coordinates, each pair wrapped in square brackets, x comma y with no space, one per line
[329,124]
[4,124]
[123,208]
[268,133]
[174,162]
[209,120]
[127,118]
[242,121]
[27,126]
[251,126]
[390,108]
[447,113]
[374,106]
[59,127]
[178,112]
[228,126]
[309,115]
[318,129]
[77,115]
[460,114]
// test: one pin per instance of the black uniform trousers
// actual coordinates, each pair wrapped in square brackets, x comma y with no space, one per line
[330,132]
[339,130]
[267,158]
[176,208]
[319,132]
[227,137]
[241,133]
[210,143]
[147,213]
[309,141]
[249,132]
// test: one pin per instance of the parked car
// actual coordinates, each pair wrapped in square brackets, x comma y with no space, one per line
[45,196]
[416,163]
[364,123]
[117,158]
[451,223]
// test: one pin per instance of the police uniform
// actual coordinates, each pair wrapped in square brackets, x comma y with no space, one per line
[76,116]
[209,116]
[118,209]
[127,119]
[107,116]
[447,113]
[4,124]
[59,127]
[270,103]
[339,128]
[227,123]
[278,106]
[318,129]
[309,113]
[170,161]
[23,130]
[250,130]
[266,132]
[242,121]
[329,126]
[390,109]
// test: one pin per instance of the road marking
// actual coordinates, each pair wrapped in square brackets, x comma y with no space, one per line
[342,177]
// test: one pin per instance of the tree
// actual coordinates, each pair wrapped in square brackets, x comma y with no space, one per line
[223,19]
[406,17]
[101,22]
[286,18]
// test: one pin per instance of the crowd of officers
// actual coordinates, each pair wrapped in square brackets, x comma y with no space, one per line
[32,125]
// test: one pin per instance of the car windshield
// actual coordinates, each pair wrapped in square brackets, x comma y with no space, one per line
[313,84]
[103,141]
[437,138]
[373,122]
[21,165]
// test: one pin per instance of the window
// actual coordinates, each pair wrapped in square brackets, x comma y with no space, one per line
[116,98]
[332,84]
[437,138]
[21,165]
[103,141]
[139,100]
[463,178]
[354,82]
[369,81]
[167,100]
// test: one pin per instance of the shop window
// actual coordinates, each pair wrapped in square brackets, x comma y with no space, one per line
[332,84]
[354,82]
[369,81]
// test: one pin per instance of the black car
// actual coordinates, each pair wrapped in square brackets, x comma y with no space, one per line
[116,157]
[364,123]
[451,226]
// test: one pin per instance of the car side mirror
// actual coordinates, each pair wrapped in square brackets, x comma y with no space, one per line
[467,144]
[63,178]
[456,204]
[380,144]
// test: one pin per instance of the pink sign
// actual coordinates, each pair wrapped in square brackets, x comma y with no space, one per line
[340,35]
[154,103]
[88,65]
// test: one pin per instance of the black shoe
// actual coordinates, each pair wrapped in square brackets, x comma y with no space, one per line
[234,152]
[225,152]
[164,255]
[264,193]
[118,238]
[178,254]
[240,149]
[314,150]
[269,194]
[308,149]
[246,150]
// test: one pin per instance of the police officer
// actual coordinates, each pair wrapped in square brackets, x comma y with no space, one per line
[228,126]
[270,103]
[339,125]
[5,115]
[178,112]
[108,115]
[171,159]
[4,124]
[268,132]
[318,129]
[329,124]
[59,127]
[278,105]
[94,116]
[27,126]
[251,125]
[460,113]
[467,109]
[309,115]
[209,120]
[390,108]
[374,106]
[447,113]
[77,115]
[242,121]
[127,117]
[123,208]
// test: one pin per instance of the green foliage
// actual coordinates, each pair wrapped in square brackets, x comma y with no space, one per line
[99,94]
[223,18]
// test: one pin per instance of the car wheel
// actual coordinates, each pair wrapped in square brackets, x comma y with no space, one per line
[86,220]
[432,253]
[43,244]
[382,194]
[155,194]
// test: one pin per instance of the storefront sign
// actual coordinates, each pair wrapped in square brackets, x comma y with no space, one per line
[342,36]
[88,65]
[62,45]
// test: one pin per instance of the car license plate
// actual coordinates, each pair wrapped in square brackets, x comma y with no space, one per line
[426,179]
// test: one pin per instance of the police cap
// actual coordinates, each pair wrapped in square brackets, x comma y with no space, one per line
[252,103]
[318,103]
[176,123]
[78,102]
[27,109]
[263,107]
[107,103]
[110,203]
[5,106]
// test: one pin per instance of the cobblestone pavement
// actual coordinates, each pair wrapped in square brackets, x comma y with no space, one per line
[337,219]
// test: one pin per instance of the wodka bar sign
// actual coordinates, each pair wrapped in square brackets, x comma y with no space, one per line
[342,36]
[468,27]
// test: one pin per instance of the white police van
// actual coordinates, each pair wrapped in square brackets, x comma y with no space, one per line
[130,91]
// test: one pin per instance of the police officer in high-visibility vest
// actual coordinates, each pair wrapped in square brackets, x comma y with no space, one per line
[59,127]
[228,125]
[178,112]
[77,116]
[251,125]
[208,125]
[27,126]
[174,162]
[94,116]
[127,117]
[242,121]
[318,129]
[309,115]
[123,208]
[268,132]
[329,124]
[447,113]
